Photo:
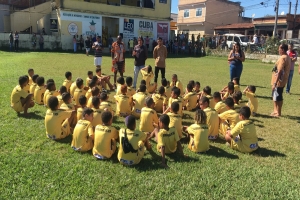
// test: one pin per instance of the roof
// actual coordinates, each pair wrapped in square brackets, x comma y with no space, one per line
[235,26]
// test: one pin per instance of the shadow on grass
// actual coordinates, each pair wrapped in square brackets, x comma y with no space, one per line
[263,152]
[32,115]
[261,139]
[220,153]
[257,86]
[292,117]
[265,116]
[264,97]
[66,140]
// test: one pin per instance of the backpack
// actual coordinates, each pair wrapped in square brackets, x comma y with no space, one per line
[127,147]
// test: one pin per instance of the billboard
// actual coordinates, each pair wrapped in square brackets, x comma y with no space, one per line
[163,31]
[146,29]
[128,31]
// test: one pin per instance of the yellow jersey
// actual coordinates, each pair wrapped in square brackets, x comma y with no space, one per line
[77,93]
[72,88]
[179,85]
[212,103]
[123,104]
[147,77]
[244,137]
[87,81]
[48,95]
[148,117]
[67,83]
[179,101]
[32,88]
[68,107]
[168,139]
[39,94]
[15,98]
[104,105]
[60,100]
[88,94]
[237,88]
[220,107]
[191,100]
[140,101]
[97,117]
[81,136]
[30,81]
[198,143]
[135,138]
[231,117]
[212,122]
[104,135]
[160,101]
[176,121]
[253,102]
[130,91]
[27,88]
[168,91]
[118,89]
[89,103]
[53,122]
[79,113]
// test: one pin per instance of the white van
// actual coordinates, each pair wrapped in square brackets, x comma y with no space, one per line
[233,38]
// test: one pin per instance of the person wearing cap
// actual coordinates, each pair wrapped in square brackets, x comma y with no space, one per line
[137,139]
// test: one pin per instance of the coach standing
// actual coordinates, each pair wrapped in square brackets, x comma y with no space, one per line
[140,56]
[160,54]
[98,52]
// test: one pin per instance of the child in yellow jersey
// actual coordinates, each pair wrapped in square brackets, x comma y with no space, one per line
[199,133]
[51,91]
[33,85]
[175,98]
[67,102]
[139,101]
[197,88]
[123,103]
[30,76]
[167,139]
[27,86]
[220,106]
[83,134]
[72,88]
[89,78]
[88,94]
[212,118]
[228,92]
[229,118]
[20,99]
[82,102]
[95,93]
[62,90]
[105,138]
[236,98]
[135,140]
[243,136]
[58,122]
[104,104]
[147,74]
[105,80]
[68,81]
[236,85]
[149,119]
[160,100]
[207,93]
[168,89]
[80,90]
[97,112]
[253,102]
[177,83]
[39,90]
[130,89]
[120,82]
[190,98]
[175,118]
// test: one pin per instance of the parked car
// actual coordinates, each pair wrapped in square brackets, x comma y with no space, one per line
[232,38]
[295,41]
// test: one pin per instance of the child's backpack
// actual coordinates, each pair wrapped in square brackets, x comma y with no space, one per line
[127,147]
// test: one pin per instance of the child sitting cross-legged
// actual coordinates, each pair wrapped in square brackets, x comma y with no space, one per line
[147,74]
[62,90]
[175,97]
[139,101]
[95,93]
[149,119]
[39,90]
[68,81]
[104,104]
[92,84]
[190,98]
[229,92]
[175,118]
[160,100]
[130,89]
[243,136]
[168,89]
[83,134]
[67,102]
[252,103]
[97,112]
[105,137]
[80,90]
[123,103]
[207,93]
[177,83]
[51,91]
[82,102]
[120,82]
[220,106]
[34,84]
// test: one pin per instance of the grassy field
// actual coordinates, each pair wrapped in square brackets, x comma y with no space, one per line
[34,167]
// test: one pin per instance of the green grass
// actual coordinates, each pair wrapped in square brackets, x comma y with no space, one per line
[32,166]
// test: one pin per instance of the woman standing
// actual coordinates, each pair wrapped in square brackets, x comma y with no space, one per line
[293,55]
[74,44]
[41,42]
[236,58]
[16,40]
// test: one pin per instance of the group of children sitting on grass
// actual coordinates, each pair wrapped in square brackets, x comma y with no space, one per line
[84,110]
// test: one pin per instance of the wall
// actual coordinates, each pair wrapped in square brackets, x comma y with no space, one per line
[161,12]
[21,20]
[4,11]
[44,22]
[192,14]
[50,41]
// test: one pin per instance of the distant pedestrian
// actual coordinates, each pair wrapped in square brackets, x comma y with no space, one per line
[87,46]
[16,41]
[33,41]
[98,52]
[293,55]
[147,41]
[81,42]
[11,41]
[41,42]
[110,41]
[74,44]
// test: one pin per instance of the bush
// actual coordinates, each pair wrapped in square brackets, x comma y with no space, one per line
[272,44]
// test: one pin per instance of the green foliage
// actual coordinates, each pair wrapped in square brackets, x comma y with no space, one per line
[272,44]
[35,167]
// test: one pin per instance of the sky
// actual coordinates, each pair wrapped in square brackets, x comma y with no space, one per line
[253,7]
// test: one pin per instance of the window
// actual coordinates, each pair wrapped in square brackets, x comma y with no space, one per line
[236,39]
[198,12]
[162,1]
[186,13]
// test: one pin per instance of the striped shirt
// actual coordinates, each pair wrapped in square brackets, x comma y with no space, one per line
[98,53]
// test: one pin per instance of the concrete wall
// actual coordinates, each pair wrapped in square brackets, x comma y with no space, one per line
[21,20]
[50,41]
[4,12]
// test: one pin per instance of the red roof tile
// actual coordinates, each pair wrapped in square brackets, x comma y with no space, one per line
[235,26]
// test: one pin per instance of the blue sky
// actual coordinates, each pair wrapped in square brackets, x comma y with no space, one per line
[254,7]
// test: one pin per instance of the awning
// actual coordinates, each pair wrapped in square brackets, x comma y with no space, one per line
[270,28]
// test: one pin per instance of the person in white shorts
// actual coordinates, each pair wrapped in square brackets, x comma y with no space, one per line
[87,45]
[98,52]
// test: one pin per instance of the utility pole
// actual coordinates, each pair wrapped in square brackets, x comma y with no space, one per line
[276,17]
[295,15]
[290,7]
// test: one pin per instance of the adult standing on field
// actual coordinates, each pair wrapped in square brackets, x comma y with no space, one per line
[160,53]
[87,46]
[11,41]
[140,54]
[16,40]
[118,58]
[280,75]
[236,58]
[97,46]
[293,55]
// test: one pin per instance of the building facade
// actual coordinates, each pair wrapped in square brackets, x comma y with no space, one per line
[201,16]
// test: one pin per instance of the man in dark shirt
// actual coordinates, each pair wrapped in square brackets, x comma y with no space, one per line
[110,41]
[98,52]
[87,45]
[140,56]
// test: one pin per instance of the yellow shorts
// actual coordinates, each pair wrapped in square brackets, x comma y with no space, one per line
[18,107]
